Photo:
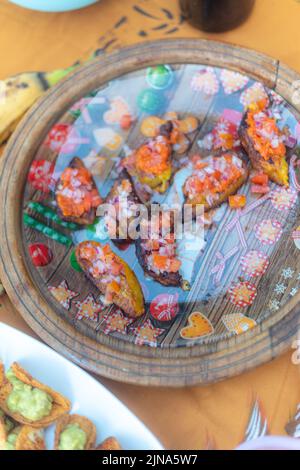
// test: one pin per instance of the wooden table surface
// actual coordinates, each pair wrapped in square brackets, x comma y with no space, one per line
[181,418]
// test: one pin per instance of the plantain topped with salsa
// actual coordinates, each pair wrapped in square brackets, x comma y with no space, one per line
[77,196]
[214,179]
[264,143]
[157,250]
[112,276]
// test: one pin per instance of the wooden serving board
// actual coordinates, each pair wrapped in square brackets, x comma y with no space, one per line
[246,316]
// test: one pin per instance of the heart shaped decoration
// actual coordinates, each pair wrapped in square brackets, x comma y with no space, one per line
[233,81]
[238,323]
[205,80]
[118,109]
[198,327]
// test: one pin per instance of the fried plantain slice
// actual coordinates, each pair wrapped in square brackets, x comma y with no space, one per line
[10,397]
[264,143]
[125,200]
[150,165]
[110,443]
[30,438]
[74,432]
[76,194]
[214,179]
[21,437]
[112,276]
[157,252]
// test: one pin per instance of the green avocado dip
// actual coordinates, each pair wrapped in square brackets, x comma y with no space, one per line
[11,440]
[30,402]
[72,438]
[9,425]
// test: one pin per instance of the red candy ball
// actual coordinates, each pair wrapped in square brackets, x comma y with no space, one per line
[58,136]
[40,175]
[40,254]
[164,307]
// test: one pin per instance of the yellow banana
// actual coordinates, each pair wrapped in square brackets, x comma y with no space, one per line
[18,93]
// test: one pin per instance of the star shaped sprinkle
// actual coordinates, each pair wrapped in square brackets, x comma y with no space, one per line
[116,321]
[88,308]
[147,334]
[274,305]
[293,292]
[63,294]
[280,289]
[288,273]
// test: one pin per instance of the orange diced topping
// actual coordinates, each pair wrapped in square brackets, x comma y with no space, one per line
[153,158]
[88,252]
[160,261]
[237,201]
[260,189]
[265,133]
[174,265]
[116,268]
[260,178]
[76,194]
[213,176]
[153,245]
[107,250]
[114,287]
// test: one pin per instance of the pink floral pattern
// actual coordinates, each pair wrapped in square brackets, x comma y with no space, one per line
[254,263]
[268,232]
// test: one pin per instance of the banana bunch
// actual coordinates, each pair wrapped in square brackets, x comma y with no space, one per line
[18,94]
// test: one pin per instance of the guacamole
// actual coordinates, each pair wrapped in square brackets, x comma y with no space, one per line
[30,402]
[72,438]
[9,425]
[10,443]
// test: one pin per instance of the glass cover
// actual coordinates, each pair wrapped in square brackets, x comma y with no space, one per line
[161,138]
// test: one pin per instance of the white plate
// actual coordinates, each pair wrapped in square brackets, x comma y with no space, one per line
[87,395]
[54,5]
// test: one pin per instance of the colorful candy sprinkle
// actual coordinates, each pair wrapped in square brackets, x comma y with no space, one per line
[74,263]
[164,307]
[47,231]
[40,254]
[40,175]
[151,101]
[50,214]
[160,77]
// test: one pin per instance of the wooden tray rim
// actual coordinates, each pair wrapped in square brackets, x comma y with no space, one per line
[17,281]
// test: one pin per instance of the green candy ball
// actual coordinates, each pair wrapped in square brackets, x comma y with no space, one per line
[150,101]
[74,263]
[160,77]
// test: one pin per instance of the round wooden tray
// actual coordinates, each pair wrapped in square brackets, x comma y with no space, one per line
[210,359]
